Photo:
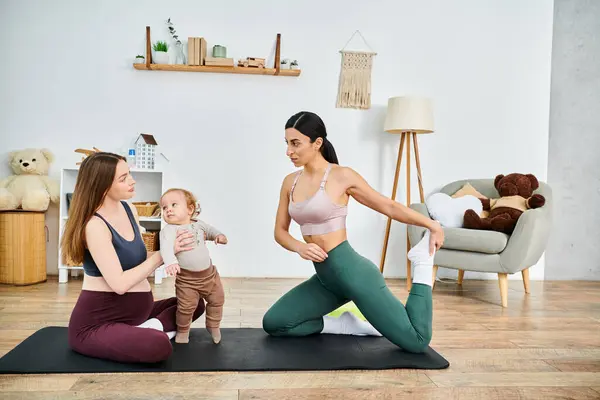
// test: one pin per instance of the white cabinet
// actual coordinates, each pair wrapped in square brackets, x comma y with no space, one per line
[149,187]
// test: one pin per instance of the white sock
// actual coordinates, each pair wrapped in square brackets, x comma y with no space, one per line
[152,323]
[422,262]
[171,334]
[348,324]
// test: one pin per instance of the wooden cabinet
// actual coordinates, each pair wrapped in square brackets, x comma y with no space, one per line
[22,247]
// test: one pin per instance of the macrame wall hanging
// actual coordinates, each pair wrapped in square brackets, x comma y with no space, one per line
[354,89]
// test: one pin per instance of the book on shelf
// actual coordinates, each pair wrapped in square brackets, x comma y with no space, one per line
[196,50]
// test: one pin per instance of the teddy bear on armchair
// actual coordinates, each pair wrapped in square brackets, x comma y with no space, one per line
[30,188]
[516,191]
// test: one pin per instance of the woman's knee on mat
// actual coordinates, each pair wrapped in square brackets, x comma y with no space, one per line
[157,347]
[416,348]
[74,341]
[275,321]
[132,344]
[421,345]
[411,341]
[424,338]
[271,323]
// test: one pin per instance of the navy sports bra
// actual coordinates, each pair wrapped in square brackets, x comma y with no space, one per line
[130,254]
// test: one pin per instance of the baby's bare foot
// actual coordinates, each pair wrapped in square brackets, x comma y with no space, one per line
[182,337]
[215,333]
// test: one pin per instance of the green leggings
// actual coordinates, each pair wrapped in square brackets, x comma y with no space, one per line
[346,275]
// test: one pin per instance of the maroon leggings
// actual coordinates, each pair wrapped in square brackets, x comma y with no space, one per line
[103,325]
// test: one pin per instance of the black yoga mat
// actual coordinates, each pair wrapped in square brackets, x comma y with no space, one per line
[241,349]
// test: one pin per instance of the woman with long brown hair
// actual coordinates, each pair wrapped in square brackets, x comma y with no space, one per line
[116,316]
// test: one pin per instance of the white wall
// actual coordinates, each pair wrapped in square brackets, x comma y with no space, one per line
[68,82]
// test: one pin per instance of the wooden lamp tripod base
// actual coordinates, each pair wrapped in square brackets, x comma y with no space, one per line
[406,136]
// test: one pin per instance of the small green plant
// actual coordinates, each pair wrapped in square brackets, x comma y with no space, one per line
[139,56]
[160,46]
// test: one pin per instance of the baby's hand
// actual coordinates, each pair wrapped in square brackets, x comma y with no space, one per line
[221,239]
[172,269]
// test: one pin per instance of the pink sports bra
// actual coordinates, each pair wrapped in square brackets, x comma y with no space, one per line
[317,215]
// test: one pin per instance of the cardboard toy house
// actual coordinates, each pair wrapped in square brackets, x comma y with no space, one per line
[145,151]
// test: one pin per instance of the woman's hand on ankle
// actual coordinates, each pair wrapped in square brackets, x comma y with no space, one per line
[436,239]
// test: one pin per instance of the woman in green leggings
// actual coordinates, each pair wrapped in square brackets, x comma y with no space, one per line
[317,199]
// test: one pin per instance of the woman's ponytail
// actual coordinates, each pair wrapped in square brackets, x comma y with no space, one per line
[329,152]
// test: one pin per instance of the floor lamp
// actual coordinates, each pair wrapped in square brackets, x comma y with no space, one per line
[407,116]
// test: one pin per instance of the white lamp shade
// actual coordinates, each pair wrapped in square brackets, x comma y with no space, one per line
[409,114]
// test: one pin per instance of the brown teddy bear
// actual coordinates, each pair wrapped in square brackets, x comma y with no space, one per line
[516,191]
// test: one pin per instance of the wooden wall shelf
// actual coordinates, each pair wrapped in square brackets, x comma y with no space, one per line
[224,70]
[275,71]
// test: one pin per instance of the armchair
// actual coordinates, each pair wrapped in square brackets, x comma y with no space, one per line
[490,251]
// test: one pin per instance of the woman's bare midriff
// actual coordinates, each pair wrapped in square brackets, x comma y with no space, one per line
[328,241]
[99,284]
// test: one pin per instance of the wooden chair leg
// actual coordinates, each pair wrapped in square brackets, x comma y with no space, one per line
[461,275]
[525,274]
[503,282]
[435,269]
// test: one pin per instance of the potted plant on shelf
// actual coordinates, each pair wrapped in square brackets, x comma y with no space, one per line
[294,65]
[139,59]
[284,64]
[160,55]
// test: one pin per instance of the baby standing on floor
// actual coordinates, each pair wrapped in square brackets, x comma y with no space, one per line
[196,278]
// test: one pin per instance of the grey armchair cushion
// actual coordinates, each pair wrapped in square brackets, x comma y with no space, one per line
[488,251]
[488,242]
[469,261]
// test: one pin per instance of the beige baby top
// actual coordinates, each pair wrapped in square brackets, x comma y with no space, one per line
[196,259]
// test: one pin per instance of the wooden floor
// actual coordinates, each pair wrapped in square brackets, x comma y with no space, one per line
[545,345]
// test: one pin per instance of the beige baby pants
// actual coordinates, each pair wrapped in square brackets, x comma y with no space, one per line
[191,287]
